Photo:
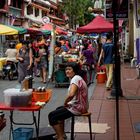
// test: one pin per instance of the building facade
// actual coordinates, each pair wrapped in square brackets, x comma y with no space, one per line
[28,13]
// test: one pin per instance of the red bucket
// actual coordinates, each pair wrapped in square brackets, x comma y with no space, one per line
[101,68]
[101,77]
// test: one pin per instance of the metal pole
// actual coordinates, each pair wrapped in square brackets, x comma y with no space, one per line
[116,91]
[53,39]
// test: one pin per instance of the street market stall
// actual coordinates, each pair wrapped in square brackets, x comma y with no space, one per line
[32,30]
[60,62]
[11,30]
[98,25]
[20,30]
[6,30]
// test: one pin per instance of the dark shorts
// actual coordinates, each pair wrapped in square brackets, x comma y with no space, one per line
[61,113]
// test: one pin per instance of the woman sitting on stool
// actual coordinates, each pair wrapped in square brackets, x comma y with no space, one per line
[76,102]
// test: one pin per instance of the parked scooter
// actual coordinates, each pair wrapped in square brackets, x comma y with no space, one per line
[10,70]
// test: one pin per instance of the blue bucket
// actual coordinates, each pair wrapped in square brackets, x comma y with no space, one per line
[23,134]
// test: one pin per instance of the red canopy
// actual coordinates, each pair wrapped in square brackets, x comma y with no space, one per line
[98,25]
[49,27]
[33,30]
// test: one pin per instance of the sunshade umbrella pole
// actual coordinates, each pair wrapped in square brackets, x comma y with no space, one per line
[51,60]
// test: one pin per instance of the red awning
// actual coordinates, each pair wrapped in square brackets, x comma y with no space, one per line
[58,22]
[33,31]
[98,25]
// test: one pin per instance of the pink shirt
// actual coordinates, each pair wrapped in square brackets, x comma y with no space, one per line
[79,104]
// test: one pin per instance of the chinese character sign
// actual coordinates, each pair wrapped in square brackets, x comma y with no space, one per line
[121,8]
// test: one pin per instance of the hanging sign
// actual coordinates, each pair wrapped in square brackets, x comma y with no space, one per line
[45,19]
[121,9]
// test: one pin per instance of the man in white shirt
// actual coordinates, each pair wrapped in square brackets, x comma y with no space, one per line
[11,53]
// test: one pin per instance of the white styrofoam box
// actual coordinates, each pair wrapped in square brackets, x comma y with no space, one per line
[15,97]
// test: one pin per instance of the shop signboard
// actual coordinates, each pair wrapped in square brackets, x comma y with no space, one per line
[137,8]
[121,9]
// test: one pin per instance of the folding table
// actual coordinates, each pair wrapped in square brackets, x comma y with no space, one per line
[33,108]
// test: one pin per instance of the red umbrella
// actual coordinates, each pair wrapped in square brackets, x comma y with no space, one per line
[98,25]
[49,27]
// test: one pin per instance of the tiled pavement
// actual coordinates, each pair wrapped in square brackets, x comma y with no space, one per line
[104,110]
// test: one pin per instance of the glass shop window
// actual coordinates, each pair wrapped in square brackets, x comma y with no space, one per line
[44,13]
[36,12]
[29,10]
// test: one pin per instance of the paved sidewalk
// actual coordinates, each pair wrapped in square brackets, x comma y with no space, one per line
[103,109]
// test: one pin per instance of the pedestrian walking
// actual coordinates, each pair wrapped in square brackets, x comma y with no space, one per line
[107,53]
[43,61]
[25,61]
[36,59]
[88,62]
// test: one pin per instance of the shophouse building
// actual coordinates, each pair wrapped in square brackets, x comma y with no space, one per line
[28,13]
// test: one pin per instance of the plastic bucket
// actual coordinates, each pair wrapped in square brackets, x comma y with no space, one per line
[101,77]
[23,133]
[101,68]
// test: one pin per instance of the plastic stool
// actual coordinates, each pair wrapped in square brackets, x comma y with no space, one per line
[88,114]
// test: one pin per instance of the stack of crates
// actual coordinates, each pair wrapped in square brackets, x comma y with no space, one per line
[23,133]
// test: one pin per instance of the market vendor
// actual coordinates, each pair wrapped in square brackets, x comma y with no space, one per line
[76,102]
[63,46]
[58,50]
